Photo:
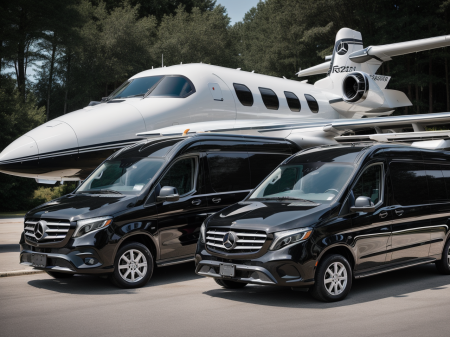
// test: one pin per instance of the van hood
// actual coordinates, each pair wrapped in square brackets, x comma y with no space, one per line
[270,216]
[75,207]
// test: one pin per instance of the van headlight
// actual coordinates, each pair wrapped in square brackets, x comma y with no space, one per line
[285,238]
[90,225]
[202,233]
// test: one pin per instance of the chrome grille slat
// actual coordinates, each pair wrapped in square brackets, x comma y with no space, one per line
[248,241]
[56,230]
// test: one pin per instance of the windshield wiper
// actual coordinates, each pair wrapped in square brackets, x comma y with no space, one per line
[288,198]
[134,96]
[102,191]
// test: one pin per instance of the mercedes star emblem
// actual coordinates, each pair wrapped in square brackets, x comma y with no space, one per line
[39,229]
[342,48]
[230,240]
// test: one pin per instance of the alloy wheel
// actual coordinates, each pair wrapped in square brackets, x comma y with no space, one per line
[132,266]
[336,278]
[448,256]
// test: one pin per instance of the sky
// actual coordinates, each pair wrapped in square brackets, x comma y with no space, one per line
[236,9]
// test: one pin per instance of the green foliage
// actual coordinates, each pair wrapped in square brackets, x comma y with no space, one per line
[16,118]
[196,37]
[45,194]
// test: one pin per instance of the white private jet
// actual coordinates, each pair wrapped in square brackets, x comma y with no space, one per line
[191,98]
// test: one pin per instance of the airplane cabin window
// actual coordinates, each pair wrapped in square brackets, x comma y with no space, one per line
[312,103]
[269,98]
[244,94]
[173,86]
[135,88]
[292,101]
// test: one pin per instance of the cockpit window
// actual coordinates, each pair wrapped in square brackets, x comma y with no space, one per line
[136,87]
[173,86]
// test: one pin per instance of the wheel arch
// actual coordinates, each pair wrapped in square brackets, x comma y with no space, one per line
[340,249]
[143,238]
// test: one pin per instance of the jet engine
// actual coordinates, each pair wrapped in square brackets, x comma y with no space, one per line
[355,87]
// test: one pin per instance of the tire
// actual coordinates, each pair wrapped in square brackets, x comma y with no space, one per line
[56,274]
[229,284]
[443,265]
[137,271]
[338,280]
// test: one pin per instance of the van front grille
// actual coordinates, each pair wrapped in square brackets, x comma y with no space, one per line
[47,231]
[242,240]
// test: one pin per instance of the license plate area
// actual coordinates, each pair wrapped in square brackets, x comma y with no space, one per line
[227,270]
[39,260]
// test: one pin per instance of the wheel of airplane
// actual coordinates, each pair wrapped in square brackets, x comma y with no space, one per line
[443,265]
[133,266]
[229,284]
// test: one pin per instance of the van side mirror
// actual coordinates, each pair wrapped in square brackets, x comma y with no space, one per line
[363,204]
[168,193]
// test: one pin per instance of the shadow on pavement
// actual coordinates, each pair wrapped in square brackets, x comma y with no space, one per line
[8,248]
[398,283]
[93,285]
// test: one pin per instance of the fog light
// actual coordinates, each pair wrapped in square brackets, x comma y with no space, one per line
[90,261]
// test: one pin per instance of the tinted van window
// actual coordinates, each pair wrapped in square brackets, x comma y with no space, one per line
[312,103]
[436,183]
[446,174]
[292,101]
[181,176]
[173,86]
[409,183]
[269,98]
[261,164]
[369,184]
[229,172]
[243,94]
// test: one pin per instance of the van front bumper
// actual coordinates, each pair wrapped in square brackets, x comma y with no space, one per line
[273,268]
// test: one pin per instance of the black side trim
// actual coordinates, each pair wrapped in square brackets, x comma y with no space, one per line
[337,100]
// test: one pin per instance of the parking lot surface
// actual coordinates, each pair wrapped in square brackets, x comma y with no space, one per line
[176,302]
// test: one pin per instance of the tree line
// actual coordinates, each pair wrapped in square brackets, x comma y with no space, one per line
[84,49]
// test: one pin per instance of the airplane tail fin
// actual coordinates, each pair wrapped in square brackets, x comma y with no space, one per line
[351,77]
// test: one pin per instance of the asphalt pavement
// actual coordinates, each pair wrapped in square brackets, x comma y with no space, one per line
[176,302]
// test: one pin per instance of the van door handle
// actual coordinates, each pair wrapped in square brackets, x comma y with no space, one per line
[216,200]
[196,202]
[399,212]
[383,215]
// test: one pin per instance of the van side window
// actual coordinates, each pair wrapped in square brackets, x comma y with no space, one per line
[369,184]
[243,94]
[181,176]
[261,164]
[229,172]
[292,101]
[446,174]
[436,183]
[409,183]
[312,103]
[269,98]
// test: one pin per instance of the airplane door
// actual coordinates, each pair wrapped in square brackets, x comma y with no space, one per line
[216,92]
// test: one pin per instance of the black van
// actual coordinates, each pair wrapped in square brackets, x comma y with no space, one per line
[331,214]
[145,204]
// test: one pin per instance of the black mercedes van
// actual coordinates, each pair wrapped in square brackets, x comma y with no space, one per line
[330,214]
[145,204]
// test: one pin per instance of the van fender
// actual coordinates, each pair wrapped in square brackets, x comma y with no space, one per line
[140,232]
[335,245]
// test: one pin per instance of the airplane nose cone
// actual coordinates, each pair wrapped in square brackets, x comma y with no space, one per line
[23,148]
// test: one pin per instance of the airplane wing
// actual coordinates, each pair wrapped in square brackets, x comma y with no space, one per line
[385,52]
[312,132]
[316,70]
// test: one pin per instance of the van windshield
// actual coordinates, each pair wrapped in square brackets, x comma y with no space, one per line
[122,176]
[317,182]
